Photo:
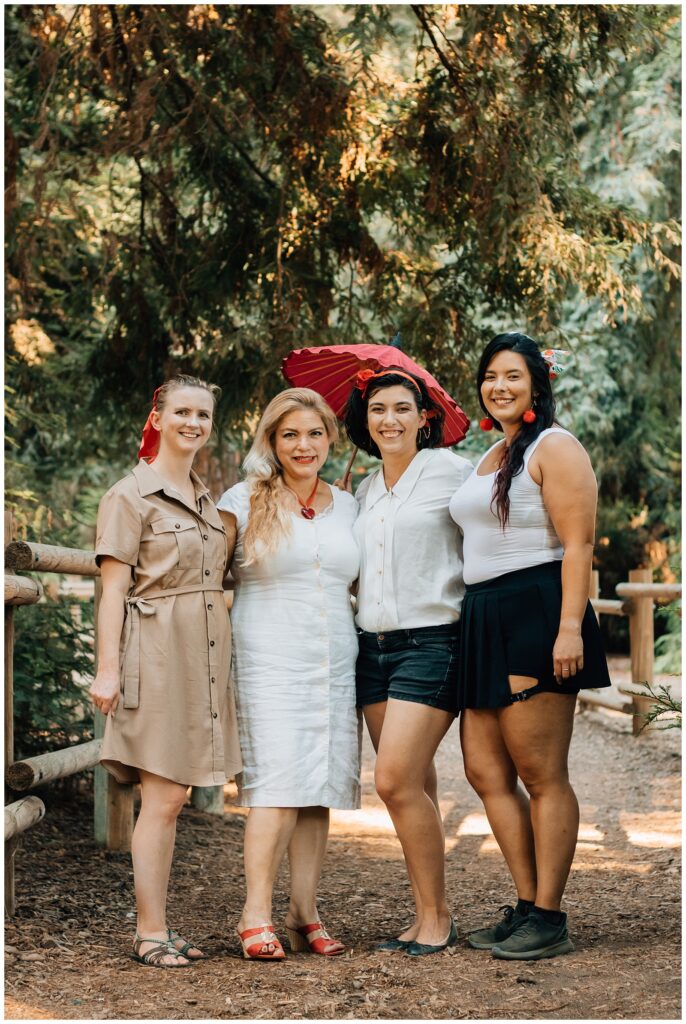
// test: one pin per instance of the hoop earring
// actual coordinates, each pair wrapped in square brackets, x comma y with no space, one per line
[423,434]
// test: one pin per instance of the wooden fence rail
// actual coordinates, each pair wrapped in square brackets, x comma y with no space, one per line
[637,602]
[58,764]
[50,558]
[22,815]
[22,590]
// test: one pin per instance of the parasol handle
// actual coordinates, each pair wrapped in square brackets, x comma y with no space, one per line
[346,474]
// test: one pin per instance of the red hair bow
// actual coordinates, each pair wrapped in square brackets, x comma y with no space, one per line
[362,380]
[150,441]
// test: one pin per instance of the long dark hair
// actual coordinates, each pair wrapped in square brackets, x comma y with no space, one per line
[512,461]
[355,419]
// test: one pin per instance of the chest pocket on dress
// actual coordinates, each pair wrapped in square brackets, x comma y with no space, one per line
[186,536]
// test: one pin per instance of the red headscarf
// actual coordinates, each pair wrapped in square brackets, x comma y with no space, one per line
[150,441]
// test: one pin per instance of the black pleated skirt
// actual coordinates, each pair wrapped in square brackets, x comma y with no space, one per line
[509,627]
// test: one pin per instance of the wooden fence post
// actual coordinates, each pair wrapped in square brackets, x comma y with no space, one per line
[208,798]
[11,844]
[112,801]
[642,640]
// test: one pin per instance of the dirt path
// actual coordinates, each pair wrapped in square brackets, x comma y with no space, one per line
[65,952]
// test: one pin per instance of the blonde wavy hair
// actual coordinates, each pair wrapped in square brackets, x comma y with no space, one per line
[269,520]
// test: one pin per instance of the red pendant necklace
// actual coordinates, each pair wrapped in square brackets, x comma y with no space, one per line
[306,509]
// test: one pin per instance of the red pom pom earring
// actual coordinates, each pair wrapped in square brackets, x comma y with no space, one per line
[529,416]
[486,423]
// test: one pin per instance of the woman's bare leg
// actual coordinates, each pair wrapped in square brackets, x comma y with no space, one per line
[537,733]
[374,716]
[409,739]
[268,832]
[306,855]
[152,849]
[492,773]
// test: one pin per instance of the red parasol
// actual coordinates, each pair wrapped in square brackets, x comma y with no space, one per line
[332,369]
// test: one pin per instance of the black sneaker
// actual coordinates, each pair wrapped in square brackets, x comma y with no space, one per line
[486,938]
[535,939]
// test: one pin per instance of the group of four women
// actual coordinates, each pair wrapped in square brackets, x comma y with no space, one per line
[471,599]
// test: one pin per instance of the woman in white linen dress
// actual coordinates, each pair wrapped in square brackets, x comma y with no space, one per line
[294,654]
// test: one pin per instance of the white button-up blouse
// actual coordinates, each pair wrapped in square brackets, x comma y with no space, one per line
[410,548]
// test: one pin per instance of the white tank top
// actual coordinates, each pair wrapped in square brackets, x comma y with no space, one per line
[529,537]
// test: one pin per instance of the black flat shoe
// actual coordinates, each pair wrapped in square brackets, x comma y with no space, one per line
[423,949]
[393,946]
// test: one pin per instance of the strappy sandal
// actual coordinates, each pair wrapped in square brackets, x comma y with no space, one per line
[269,948]
[313,938]
[155,956]
[184,950]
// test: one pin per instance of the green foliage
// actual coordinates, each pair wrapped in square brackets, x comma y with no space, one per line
[204,187]
[53,664]
[663,703]
[207,187]
[668,646]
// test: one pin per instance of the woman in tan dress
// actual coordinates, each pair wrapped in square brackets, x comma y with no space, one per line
[164,647]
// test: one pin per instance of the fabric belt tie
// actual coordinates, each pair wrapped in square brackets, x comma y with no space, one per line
[135,607]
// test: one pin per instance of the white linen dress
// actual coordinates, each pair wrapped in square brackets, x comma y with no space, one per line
[293,661]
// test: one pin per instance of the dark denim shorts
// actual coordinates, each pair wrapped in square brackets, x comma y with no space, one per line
[419,665]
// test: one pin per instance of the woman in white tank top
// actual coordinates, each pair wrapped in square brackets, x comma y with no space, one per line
[530,639]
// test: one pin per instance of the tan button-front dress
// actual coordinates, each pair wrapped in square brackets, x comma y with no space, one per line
[176,716]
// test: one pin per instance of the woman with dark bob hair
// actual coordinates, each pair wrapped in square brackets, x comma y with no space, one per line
[409,593]
[530,638]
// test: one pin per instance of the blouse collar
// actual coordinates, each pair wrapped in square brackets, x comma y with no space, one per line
[403,487]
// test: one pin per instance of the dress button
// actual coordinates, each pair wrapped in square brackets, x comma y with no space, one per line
[177,526]
[212,679]
[381,636]
[210,607]
[207,572]
[211,643]
[214,714]
[205,536]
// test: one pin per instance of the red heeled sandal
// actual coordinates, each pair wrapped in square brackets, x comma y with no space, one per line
[313,938]
[269,948]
